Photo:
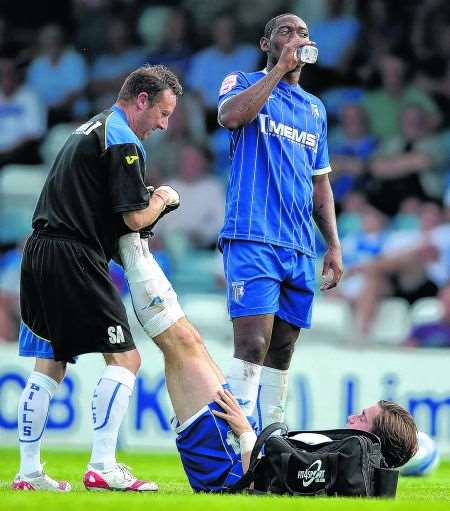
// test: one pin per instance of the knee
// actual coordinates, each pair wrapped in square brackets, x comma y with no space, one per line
[187,339]
[183,340]
[131,360]
[55,370]
[279,356]
[252,349]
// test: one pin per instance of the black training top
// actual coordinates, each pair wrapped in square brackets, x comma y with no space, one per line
[97,176]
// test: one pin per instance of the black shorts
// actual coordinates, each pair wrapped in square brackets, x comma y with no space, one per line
[68,298]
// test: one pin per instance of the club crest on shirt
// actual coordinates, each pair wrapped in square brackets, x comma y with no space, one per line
[228,84]
[315,110]
[238,290]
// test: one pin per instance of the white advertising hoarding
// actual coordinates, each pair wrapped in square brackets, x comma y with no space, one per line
[326,384]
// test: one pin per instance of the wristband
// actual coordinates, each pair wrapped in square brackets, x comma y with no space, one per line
[247,441]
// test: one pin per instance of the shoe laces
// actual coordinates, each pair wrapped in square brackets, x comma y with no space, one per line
[126,471]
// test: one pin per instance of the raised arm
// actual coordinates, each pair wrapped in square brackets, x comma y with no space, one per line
[325,218]
[244,107]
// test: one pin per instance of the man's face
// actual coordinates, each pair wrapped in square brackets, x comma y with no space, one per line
[285,30]
[156,116]
[364,420]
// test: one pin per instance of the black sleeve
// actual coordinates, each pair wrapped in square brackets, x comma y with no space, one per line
[126,170]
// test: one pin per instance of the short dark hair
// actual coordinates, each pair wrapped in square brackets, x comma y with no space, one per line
[149,79]
[398,433]
[270,25]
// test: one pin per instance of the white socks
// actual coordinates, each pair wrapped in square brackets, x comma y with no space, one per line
[243,378]
[155,302]
[271,403]
[32,415]
[109,404]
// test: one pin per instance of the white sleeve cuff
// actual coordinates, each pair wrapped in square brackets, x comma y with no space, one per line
[319,172]
[247,441]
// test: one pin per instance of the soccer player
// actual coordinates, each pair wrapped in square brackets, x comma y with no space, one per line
[214,437]
[278,185]
[69,305]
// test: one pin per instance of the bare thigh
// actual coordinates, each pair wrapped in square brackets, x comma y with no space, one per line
[191,381]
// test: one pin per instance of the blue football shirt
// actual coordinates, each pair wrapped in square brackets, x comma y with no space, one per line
[273,158]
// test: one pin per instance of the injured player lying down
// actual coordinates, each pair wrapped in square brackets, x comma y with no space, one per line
[214,438]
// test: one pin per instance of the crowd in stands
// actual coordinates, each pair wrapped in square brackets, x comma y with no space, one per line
[383,74]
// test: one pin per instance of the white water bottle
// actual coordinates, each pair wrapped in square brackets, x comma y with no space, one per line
[307,54]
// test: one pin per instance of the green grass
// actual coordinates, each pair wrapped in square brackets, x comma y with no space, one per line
[427,493]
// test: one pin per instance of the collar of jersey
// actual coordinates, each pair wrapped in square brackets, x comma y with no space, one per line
[123,116]
[119,110]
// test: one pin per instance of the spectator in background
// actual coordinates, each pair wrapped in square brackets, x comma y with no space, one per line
[337,26]
[23,118]
[411,164]
[59,75]
[110,69]
[350,145]
[175,48]
[360,247]
[164,148]
[437,333]
[203,199]
[349,220]
[375,35]
[210,65]
[384,104]
[412,265]
[92,19]
[431,44]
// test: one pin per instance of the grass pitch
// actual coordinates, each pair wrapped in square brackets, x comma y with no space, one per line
[426,493]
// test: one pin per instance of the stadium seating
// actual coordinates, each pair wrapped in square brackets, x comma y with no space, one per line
[20,186]
[331,321]
[391,323]
[208,312]
[425,310]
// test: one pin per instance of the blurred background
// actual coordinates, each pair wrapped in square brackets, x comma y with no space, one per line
[384,76]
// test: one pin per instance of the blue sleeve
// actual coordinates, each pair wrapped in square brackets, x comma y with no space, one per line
[233,84]
[322,164]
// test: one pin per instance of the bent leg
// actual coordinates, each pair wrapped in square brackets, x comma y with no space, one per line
[191,381]
[154,300]
[192,377]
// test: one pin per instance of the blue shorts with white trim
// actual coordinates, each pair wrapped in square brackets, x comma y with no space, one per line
[268,279]
[209,451]
[31,345]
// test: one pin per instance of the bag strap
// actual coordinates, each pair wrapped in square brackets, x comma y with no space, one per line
[263,437]
[249,476]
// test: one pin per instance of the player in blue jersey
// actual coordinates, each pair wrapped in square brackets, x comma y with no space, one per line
[278,187]
[95,191]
